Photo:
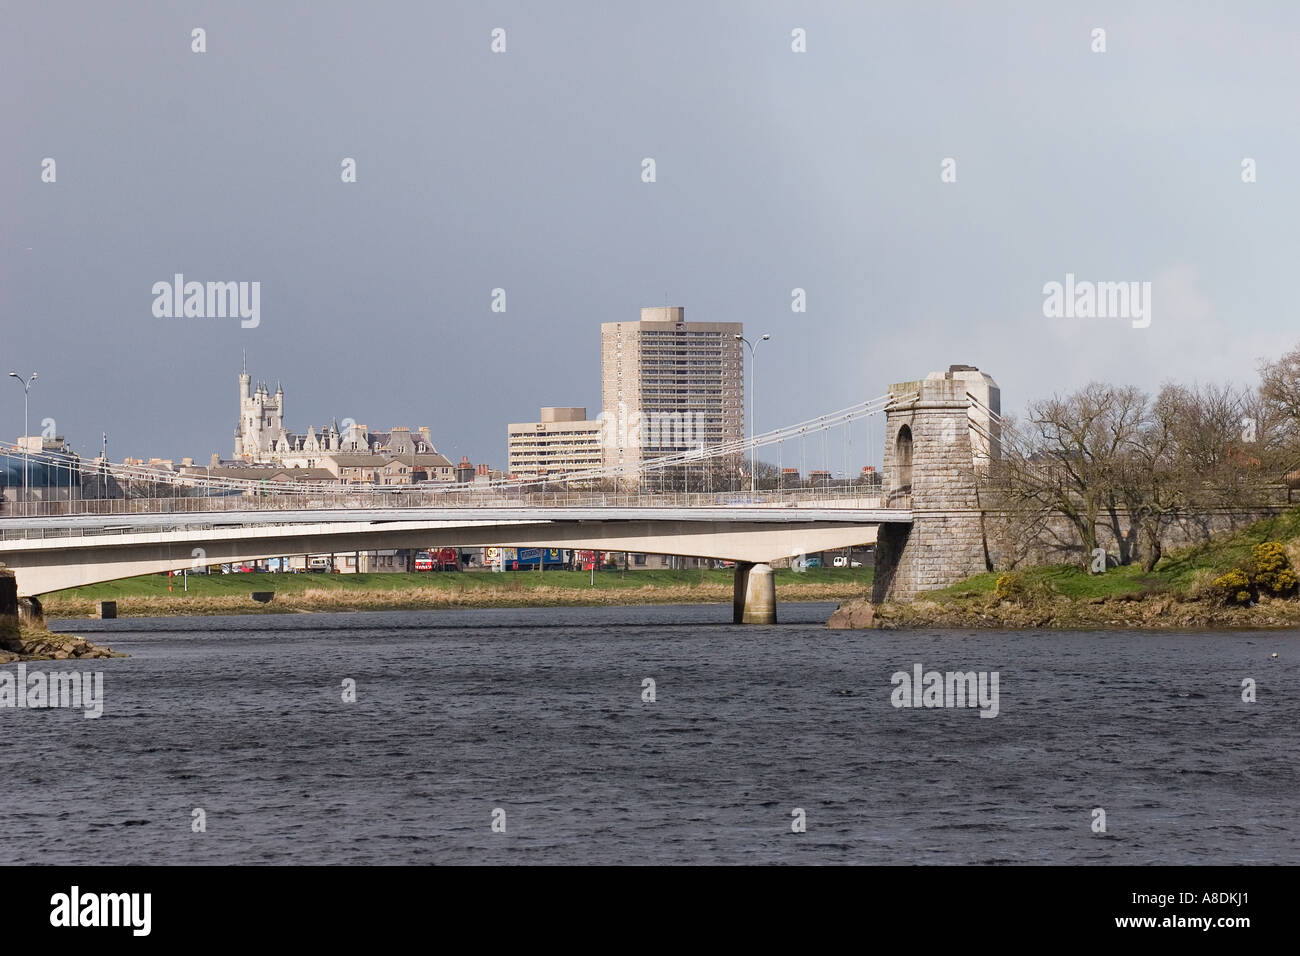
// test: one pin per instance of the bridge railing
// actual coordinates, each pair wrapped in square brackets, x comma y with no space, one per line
[402,499]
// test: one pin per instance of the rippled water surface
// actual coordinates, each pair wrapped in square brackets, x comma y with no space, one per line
[540,713]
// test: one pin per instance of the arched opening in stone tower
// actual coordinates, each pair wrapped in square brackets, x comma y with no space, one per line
[903,458]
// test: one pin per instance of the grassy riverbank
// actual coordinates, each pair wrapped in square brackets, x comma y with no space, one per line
[1182,591]
[147,596]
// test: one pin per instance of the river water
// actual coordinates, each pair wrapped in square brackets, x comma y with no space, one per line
[535,719]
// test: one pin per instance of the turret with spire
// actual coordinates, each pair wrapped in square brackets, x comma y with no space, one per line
[261,417]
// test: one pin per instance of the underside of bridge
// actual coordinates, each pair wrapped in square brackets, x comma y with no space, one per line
[45,565]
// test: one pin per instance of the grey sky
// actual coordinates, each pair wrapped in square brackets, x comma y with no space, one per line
[522,170]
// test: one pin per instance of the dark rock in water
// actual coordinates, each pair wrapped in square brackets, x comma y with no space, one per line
[853,615]
[43,645]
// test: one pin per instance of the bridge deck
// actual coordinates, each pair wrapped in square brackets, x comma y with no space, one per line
[77,525]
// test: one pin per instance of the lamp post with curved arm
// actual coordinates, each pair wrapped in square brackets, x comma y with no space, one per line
[753,387]
[27,385]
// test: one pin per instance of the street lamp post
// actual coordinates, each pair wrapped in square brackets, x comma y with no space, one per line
[753,387]
[27,385]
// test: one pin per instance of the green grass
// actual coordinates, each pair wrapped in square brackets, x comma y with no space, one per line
[216,585]
[1068,580]
[1174,574]
[1231,550]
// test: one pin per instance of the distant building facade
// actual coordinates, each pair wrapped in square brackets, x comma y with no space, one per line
[353,454]
[40,469]
[670,386]
[563,441]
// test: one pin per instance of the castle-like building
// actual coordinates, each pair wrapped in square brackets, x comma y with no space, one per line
[259,434]
[355,453]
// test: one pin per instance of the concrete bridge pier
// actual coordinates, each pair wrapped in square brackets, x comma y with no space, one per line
[31,611]
[8,607]
[754,600]
[15,609]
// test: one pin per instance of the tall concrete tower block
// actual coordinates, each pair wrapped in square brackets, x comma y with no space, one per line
[669,386]
[941,433]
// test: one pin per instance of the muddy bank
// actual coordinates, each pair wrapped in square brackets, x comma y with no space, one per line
[1155,612]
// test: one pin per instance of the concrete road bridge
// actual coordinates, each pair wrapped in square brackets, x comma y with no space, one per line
[939,432]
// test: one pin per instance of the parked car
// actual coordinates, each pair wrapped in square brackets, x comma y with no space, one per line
[812,562]
[842,561]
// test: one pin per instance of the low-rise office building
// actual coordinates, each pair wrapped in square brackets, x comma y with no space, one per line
[564,441]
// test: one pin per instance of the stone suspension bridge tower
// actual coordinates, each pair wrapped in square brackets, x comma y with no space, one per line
[941,434]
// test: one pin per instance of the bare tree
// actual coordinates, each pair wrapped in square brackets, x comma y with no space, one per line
[1276,415]
[1215,434]
[1279,384]
[1109,455]
[1066,459]
[1151,478]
